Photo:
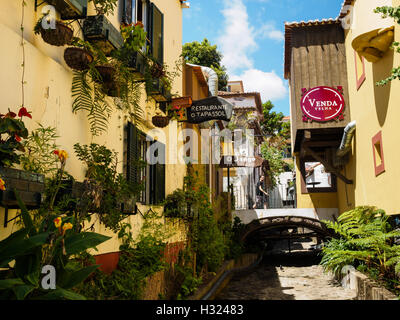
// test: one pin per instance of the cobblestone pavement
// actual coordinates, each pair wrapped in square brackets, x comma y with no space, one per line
[286,276]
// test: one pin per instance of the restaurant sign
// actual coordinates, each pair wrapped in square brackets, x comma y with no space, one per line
[322,104]
[212,108]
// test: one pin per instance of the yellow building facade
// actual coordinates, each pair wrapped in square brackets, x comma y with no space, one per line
[48,97]
[368,163]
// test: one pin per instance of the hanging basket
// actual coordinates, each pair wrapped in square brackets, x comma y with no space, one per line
[111,89]
[160,121]
[106,74]
[60,36]
[77,58]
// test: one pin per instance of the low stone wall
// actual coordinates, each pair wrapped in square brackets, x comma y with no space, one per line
[244,261]
[366,288]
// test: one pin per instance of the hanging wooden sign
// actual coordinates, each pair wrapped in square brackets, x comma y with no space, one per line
[212,108]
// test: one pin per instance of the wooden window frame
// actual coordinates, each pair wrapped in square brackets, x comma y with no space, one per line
[359,78]
[154,175]
[379,169]
[151,10]
[304,189]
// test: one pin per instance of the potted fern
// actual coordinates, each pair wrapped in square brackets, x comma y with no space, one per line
[60,35]
[79,56]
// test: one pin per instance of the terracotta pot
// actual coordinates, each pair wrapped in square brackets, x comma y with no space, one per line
[77,58]
[106,74]
[60,36]
[160,121]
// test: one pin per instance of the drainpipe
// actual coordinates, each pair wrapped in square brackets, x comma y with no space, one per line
[348,135]
[211,77]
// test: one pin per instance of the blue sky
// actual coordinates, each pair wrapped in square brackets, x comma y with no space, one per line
[249,33]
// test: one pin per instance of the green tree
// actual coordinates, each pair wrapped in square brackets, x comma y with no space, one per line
[276,143]
[272,123]
[207,55]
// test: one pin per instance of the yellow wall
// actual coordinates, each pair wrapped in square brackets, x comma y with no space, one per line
[374,109]
[48,89]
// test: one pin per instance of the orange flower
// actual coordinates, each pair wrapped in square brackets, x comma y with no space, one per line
[67,226]
[62,155]
[140,24]
[2,185]
[57,222]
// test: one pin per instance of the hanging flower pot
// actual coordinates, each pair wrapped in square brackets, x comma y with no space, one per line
[157,70]
[77,58]
[160,121]
[59,36]
[111,89]
[106,74]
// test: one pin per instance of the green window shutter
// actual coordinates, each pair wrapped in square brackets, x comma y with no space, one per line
[157,33]
[132,153]
[157,176]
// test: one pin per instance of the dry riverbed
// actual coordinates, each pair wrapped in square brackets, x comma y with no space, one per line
[286,276]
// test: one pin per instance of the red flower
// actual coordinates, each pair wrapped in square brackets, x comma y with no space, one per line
[11,114]
[140,24]
[17,138]
[24,113]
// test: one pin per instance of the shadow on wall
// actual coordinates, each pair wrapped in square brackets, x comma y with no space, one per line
[381,70]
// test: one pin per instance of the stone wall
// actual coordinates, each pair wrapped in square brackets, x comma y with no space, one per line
[366,288]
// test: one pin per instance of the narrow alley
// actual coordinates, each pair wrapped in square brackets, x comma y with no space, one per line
[286,276]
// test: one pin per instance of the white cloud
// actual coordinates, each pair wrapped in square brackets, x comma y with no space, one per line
[238,37]
[269,31]
[269,84]
[238,41]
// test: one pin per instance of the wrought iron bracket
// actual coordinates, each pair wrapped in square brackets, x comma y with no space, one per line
[6,221]
[38,4]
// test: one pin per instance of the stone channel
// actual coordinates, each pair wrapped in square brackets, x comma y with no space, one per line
[284,275]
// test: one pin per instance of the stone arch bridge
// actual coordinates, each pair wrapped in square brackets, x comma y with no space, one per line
[271,224]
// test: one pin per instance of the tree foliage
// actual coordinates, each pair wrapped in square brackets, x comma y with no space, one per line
[365,237]
[276,142]
[272,123]
[207,55]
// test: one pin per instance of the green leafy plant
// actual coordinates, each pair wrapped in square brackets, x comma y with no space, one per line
[39,146]
[54,242]
[105,7]
[139,259]
[205,54]
[107,188]
[275,160]
[365,236]
[12,131]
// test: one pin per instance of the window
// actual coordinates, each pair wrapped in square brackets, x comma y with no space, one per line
[156,33]
[315,178]
[377,146]
[137,146]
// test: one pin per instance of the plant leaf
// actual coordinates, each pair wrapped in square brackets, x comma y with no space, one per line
[82,241]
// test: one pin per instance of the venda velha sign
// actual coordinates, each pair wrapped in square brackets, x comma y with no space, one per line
[212,108]
[322,104]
